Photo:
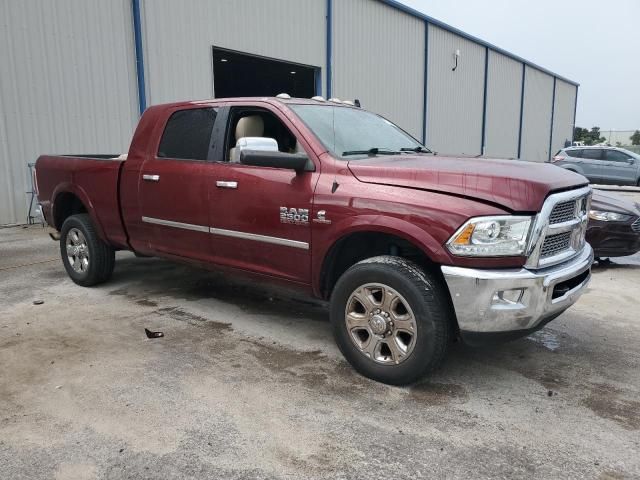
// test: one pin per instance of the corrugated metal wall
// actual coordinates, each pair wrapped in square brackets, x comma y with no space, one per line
[68,79]
[455,98]
[504,90]
[536,115]
[563,113]
[68,85]
[178,37]
[378,58]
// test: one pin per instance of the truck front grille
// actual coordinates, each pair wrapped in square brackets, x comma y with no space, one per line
[563,212]
[555,244]
[635,226]
[561,227]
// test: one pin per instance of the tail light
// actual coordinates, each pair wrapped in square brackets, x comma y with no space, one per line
[557,158]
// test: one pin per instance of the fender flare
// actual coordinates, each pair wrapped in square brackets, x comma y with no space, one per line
[81,194]
[375,224]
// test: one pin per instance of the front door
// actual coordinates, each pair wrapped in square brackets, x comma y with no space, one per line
[619,168]
[592,164]
[259,216]
[174,186]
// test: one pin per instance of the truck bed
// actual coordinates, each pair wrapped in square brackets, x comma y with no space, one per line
[94,179]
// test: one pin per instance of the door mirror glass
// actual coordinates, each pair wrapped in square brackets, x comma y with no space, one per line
[299,162]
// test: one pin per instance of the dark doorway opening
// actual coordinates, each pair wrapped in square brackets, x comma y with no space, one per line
[240,75]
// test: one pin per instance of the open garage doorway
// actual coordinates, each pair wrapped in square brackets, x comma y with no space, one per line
[237,74]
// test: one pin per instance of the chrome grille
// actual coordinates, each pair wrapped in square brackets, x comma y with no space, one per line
[559,231]
[635,226]
[563,212]
[555,244]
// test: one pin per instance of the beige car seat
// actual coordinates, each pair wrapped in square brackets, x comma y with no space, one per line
[249,126]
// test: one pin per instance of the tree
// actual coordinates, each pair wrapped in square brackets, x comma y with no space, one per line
[589,137]
[635,138]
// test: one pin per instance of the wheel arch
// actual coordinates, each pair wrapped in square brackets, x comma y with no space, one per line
[69,199]
[365,239]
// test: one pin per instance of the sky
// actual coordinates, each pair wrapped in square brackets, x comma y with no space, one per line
[594,43]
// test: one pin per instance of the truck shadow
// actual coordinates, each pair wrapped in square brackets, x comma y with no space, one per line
[549,357]
[142,280]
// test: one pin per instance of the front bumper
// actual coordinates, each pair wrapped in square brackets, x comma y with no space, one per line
[508,303]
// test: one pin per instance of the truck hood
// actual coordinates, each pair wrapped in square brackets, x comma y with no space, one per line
[519,186]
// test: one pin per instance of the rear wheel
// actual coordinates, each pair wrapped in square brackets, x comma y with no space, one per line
[391,319]
[86,258]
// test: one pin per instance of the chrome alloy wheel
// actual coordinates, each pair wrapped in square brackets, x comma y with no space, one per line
[77,250]
[381,323]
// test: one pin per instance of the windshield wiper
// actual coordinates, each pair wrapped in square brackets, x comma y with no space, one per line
[371,151]
[418,149]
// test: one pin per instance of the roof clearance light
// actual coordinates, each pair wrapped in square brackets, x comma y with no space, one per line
[349,102]
[318,98]
[335,100]
[292,72]
[283,95]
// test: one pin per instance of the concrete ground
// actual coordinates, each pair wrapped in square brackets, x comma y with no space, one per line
[247,383]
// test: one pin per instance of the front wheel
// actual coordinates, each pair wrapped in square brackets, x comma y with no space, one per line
[391,319]
[86,258]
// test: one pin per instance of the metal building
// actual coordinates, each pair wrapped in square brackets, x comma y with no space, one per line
[75,74]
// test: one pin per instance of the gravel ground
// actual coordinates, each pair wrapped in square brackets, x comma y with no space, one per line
[247,383]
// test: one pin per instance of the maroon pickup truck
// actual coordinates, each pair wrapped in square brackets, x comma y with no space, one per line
[411,248]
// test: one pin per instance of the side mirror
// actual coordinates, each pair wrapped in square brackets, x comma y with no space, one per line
[299,162]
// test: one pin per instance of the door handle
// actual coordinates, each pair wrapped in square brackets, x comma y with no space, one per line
[151,178]
[226,184]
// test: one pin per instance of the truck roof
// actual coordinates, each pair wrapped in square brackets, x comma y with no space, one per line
[272,100]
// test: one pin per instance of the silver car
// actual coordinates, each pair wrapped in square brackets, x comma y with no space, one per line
[603,165]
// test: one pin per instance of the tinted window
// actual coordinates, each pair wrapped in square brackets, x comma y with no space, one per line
[592,153]
[187,134]
[616,156]
[574,153]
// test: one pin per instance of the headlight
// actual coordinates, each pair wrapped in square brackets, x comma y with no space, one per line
[491,237]
[608,216]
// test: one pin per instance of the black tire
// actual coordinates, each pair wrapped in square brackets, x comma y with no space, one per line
[101,257]
[428,301]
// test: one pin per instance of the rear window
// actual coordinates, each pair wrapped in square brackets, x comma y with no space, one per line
[187,134]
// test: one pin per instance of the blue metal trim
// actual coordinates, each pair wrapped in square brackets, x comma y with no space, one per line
[424,87]
[137,34]
[399,6]
[524,69]
[318,81]
[553,110]
[483,142]
[329,44]
[575,111]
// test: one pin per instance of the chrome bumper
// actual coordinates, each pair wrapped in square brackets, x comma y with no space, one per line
[511,300]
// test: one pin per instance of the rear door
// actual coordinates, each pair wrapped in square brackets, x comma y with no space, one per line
[259,216]
[592,162]
[174,184]
[619,168]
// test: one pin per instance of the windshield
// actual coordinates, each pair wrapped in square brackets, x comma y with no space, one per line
[350,131]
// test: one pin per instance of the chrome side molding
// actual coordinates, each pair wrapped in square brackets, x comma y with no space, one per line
[229,233]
